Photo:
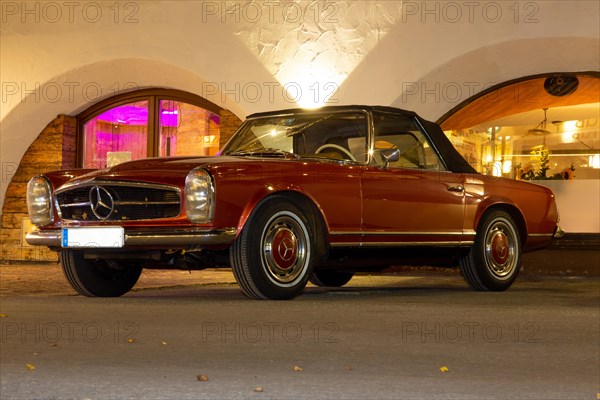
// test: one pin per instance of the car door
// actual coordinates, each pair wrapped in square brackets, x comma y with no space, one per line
[411,198]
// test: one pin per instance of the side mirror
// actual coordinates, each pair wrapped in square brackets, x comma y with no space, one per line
[390,155]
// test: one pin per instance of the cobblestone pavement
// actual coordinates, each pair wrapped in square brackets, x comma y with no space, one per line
[48,279]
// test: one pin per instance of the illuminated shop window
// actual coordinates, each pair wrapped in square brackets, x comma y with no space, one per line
[554,149]
[187,130]
[120,133]
[147,124]
[526,131]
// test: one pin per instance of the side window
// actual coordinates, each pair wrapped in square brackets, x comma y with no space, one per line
[393,132]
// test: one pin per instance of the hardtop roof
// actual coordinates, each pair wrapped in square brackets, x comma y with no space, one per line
[453,159]
[333,108]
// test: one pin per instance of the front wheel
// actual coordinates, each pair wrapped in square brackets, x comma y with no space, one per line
[272,257]
[98,278]
[495,258]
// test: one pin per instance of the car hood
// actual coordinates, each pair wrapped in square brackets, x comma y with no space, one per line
[172,170]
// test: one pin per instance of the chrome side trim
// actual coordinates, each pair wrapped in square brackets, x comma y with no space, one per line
[404,244]
[540,234]
[176,238]
[402,233]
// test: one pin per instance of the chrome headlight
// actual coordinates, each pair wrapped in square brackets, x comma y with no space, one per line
[39,201]
[199,196]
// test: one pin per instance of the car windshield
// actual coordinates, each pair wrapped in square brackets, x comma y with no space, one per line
[338,136]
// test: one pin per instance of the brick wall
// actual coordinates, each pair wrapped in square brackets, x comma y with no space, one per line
[229,124]
[54,148]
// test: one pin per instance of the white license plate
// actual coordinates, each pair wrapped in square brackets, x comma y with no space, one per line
[87,237]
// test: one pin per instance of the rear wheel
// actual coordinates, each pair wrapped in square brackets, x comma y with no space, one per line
[101,278]
[273,256]
[330,278]
[495,258]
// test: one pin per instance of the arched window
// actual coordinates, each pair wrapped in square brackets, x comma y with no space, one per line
[147,123]
[543,127]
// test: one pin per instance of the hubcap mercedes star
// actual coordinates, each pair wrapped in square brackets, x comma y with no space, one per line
[284,249]
[500,250]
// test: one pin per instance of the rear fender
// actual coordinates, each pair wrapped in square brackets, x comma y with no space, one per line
[498,202]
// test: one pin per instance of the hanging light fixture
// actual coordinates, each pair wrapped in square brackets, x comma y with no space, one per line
[540,129]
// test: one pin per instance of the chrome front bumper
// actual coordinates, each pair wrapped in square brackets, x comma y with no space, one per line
[179,238]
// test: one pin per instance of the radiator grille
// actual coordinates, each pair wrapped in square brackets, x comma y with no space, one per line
[118,202]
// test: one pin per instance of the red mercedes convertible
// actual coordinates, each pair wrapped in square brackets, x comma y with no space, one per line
[294,196]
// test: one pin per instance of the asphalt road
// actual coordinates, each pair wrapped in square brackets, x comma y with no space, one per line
[383,338]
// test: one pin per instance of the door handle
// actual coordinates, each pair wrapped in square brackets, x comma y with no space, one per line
[458,188]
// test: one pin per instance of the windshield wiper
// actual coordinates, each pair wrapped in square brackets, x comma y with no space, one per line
[269,152]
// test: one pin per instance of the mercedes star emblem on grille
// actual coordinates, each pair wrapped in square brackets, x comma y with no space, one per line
[101,202]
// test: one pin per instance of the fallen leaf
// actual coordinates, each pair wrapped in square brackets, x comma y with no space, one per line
[35,353]
[163,343]
[444,369]
[131,340]
[3,315]
[54,345]
[349,368]
[259,389]
[30,367]
[202,378]
[298,369]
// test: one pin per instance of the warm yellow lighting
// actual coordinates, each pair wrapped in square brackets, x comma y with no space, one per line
[310,54]
[569,130]
[507,167]
[312,85]
[497,170]
[208,139]
[594,161]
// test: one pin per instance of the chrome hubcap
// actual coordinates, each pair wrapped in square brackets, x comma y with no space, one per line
[285,248]
[501,249]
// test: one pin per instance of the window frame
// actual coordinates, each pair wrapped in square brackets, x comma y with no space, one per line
[153,97]
[424,134]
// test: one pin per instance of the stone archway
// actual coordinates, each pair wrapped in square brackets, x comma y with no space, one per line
[31,145]
[74,91]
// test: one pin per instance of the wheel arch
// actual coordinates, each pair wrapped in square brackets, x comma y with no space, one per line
[512,210]
[304,202]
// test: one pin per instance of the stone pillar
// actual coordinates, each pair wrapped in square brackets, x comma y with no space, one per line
[54,149]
